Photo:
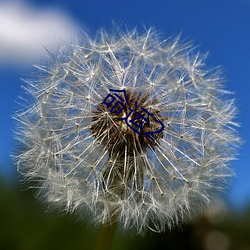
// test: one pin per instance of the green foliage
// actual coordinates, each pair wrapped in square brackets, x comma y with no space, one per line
[25,226]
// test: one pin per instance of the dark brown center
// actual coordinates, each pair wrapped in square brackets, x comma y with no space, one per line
[132,124]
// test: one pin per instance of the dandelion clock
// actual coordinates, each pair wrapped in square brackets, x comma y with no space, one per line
[127,128]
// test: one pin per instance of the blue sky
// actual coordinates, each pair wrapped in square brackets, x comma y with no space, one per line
[221,27]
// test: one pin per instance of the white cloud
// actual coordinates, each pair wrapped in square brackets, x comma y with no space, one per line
[25,31]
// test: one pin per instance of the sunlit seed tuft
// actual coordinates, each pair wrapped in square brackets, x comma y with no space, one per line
[89,159]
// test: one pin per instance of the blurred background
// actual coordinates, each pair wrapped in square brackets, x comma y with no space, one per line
[29,28]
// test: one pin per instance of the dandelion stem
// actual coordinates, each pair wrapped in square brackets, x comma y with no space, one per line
[105,236]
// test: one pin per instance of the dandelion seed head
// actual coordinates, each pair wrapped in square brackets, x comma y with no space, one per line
[89,159]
